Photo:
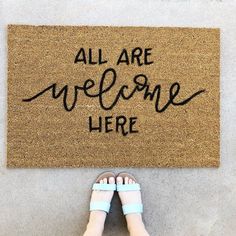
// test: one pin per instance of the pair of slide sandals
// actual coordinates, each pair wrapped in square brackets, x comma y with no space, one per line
[105,206]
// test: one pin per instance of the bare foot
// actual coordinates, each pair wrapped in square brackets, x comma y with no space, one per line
[97,217]
[101,195]
[134,220]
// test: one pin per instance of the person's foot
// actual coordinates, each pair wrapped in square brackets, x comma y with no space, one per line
[128,197]
[101,195]
[134,220]
[97,217]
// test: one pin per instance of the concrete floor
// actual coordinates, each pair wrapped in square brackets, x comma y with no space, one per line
[178,202]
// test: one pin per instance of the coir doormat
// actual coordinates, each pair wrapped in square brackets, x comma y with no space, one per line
[113,96]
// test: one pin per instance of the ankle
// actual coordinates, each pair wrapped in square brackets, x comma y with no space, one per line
[135,222]
[97,220]
[94,229]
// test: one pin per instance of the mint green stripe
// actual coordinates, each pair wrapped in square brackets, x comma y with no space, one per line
[128,187]
[106,187]
[132,208]
[100,206]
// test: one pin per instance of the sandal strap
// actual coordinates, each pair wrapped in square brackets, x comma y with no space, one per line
[128,187]
[100,206]
[132,208]
[105,187]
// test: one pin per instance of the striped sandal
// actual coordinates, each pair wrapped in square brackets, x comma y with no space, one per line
[97,186]
[134,207]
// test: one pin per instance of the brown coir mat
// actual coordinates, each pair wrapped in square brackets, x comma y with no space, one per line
[113,96]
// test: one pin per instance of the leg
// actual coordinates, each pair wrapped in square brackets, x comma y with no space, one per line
[95,225]
[135,223]
[97,218]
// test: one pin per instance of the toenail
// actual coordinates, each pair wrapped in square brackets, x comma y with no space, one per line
[119,179]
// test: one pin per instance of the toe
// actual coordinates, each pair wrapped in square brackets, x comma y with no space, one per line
[130,181]
[111,180]
[126,180]
[105,180]
[119,180]
[101,181]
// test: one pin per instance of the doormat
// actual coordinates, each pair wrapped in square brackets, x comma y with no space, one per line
[82,96]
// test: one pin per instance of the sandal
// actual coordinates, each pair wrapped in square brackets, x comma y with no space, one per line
[102,205]
[134,207]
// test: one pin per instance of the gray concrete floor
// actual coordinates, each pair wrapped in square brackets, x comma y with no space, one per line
[178,202]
